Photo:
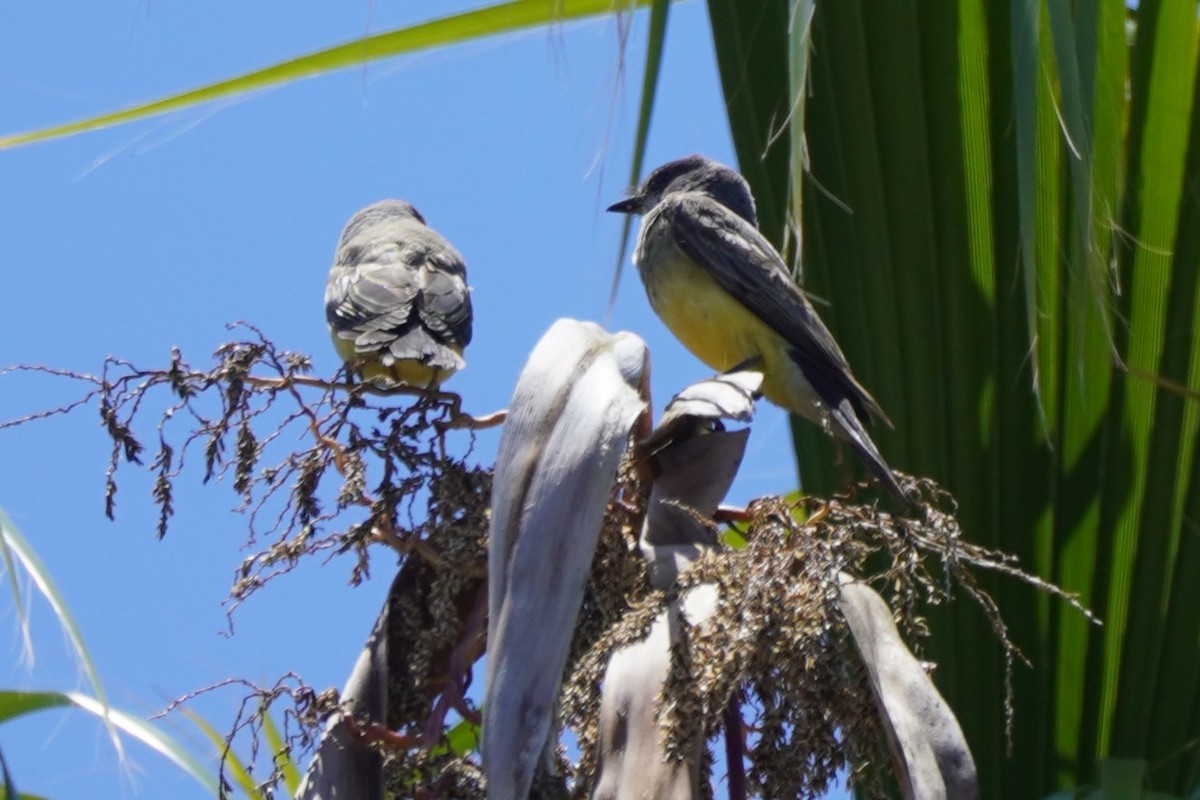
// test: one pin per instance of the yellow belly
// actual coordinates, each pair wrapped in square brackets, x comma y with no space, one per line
[407,372]
[722,332]
[718,330]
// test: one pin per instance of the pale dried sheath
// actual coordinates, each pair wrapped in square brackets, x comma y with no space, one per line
[632,760]
[929,753]
[569,424]
[695,463]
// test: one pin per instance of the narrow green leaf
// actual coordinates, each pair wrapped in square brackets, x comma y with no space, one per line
[454,29]
[1074,245]
[800,18]
[280,753]
[10,787]
[1053,248]
[974,94]
[16,703]
[968,272]
[154,738]
[654,49]
[1176,450]
[7,531]
[1083,561]
[236,769]
[1026,17]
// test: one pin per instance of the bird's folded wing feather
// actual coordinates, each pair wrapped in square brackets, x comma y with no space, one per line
[745,264]
[408,298]
[445,306]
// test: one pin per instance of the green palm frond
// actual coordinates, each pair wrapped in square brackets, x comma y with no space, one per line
[1001,204]
[491,20]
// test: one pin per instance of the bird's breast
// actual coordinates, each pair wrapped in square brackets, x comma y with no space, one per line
[714,326]
[717,328]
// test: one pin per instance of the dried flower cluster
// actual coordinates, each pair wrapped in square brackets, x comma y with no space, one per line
[777,649]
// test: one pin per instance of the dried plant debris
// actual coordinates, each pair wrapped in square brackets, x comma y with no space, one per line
[296,711]
[319,466]
[618,578]
[434,628]
[436,607]
[778,645]
[429,774]
[618,600]
[364,470]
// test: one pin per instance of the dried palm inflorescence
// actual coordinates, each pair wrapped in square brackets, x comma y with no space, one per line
[782,644]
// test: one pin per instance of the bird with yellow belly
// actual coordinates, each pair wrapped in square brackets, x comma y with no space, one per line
[726,294]
[397,301]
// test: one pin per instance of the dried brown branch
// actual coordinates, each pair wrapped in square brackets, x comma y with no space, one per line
[303,716]
[383,454]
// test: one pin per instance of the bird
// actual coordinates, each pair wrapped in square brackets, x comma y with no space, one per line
[725,292]
[397,300]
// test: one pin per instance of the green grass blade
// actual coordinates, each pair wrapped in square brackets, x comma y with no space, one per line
[454,29]
[8,530]
[16,703]
[18,547]
[156,739]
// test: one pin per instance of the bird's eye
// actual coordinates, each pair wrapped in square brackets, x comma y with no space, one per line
[351,254]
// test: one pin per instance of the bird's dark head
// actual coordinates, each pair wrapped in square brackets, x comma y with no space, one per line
[692,174]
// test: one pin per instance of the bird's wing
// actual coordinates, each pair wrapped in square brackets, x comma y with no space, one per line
[445,306]
[403,296]
[745,264]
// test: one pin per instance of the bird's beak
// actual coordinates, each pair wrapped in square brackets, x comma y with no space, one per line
[630,205]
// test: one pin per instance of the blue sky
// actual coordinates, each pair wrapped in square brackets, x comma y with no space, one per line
[134,239]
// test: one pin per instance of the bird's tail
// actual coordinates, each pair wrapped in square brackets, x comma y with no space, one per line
[848,426]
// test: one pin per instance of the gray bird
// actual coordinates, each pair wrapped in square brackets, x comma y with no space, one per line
[397,301]
[726,294]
